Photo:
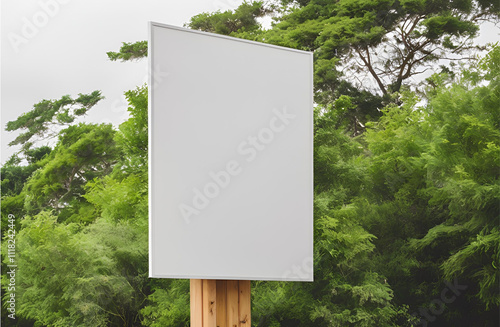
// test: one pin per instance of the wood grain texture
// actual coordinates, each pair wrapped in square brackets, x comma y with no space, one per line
[196,295]
[209,303]
[220,303]
[244,306]
[232,303]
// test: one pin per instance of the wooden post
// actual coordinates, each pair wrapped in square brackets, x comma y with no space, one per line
[220,303]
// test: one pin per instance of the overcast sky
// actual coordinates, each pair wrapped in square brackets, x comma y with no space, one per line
[66,53]
[50,48]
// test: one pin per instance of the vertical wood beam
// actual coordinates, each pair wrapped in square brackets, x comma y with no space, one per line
[209,305]
[220,303]
[232,303]
[196,295]
[244,310]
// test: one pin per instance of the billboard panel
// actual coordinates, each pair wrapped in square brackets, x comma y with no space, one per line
[230,158]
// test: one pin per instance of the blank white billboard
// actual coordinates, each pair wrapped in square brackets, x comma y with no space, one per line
[230,159]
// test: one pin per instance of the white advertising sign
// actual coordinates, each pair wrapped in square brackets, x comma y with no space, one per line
[230,158]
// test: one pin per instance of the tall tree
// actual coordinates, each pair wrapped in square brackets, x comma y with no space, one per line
[432,198]
[388,41]
[231,22]
[50,113]
[83,152]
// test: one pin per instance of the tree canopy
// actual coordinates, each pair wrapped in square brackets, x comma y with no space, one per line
[48,113]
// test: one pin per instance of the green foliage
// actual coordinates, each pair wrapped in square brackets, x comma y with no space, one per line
[82,250]
[84,263]
[130,51]
[168,305]
[242,19]
[13,179]
[124,199]
[390,41]
[83,153]
[473,260]
[434,192]
[74,276]
[132,136]
[14,176]
[47,113]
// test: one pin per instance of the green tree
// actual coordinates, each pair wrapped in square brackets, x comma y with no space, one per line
[130,51]
[132,135]
[14,175]
[83,152]
[13,178]
[84,263]
[49,113]
[168,304]
[390,41]
[433,196]
[69,275]
[231,22]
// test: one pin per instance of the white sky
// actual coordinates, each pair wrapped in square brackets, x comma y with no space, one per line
[66,54]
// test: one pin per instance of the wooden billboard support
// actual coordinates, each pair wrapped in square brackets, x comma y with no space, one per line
[220,303]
